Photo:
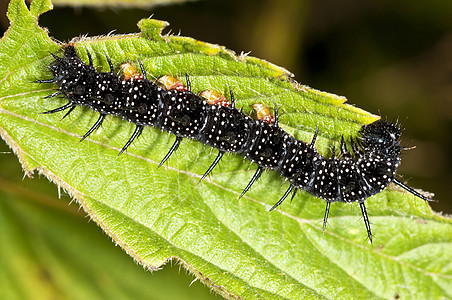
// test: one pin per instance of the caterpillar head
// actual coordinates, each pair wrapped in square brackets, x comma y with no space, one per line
[381,136]
[63,66]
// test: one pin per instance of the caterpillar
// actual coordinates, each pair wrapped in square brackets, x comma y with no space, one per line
[352,176]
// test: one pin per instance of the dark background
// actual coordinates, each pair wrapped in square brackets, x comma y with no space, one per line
[392,58]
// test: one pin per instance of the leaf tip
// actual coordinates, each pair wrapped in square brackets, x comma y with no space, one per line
[17,8]
[152,28]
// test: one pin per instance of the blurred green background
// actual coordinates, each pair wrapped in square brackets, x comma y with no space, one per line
[392,58]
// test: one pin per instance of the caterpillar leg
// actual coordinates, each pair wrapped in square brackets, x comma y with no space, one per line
[188,82]
[325,218]
[143,72]
[232,97]
[355,148]
[343,146]
[56,57]
[314,138]
[112,69]
[68,112]
[215,162]
[366,220]
[291,187]
[53,95]
[293,195]
[70,104]
[135,134]
[276,115]
[45,80]
[173,148]
[412,191]
[255,177]
[94,127]
[89,58]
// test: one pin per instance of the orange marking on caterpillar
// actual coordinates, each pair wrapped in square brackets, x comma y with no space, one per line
[172,83]
[263,113]
[129,71]
[213,97]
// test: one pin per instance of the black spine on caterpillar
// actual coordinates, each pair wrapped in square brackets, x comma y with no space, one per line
[352,177]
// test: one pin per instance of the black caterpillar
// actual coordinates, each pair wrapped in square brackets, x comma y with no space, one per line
[352,177]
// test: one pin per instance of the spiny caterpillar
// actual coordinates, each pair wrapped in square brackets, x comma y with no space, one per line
[171,106]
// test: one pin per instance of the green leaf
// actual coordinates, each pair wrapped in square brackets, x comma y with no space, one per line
[234,247]
[49,250]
